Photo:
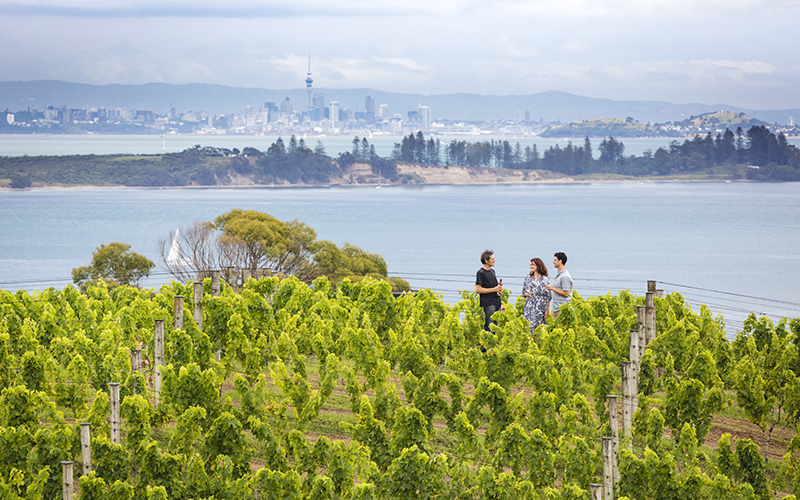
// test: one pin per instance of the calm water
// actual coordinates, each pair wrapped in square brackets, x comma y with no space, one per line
[738,238]
[37,145]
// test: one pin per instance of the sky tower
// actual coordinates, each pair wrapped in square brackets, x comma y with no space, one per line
[309,81]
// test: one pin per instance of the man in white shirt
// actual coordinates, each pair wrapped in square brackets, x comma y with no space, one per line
[562,284]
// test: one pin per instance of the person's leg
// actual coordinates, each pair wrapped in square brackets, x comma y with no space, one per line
[488,311]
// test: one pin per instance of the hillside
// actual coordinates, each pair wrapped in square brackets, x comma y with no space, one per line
[605,127]
[719,121]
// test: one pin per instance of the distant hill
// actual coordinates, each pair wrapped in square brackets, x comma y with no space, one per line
[604,127]
[720,121]
[220,99]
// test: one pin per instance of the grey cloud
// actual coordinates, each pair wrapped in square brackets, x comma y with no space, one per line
[228,11]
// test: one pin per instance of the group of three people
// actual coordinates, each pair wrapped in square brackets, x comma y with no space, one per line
[537,290]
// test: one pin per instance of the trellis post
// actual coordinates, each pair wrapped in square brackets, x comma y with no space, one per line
[159,359]
[178,312]
[86,448]
[612,420]
[114,423]
[197,298]
[608,474]
[66,480]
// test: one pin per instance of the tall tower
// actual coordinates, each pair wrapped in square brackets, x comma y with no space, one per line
[309,81]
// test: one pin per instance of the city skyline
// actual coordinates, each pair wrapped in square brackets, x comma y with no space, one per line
[735,52]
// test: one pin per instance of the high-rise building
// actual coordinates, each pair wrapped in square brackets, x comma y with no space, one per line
[286,107]
[369,110]
[317,111]
[334,113]
[309,81]
[425,118]
[272,111]
[383,112]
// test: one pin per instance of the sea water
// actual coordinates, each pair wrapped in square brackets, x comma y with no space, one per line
[733,246]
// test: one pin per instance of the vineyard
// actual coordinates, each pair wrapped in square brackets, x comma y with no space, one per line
[290,391]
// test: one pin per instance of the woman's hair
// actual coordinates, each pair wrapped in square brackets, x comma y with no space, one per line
[540,267]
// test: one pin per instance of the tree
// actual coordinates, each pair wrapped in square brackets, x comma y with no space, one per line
[364,152]
[19,181]
[114,263]
[611,150]
[587,157]
[254,240]
[277,148]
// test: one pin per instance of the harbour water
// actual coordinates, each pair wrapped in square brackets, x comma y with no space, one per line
[733,246]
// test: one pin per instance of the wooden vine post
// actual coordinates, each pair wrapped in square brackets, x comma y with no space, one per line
[608,473]
[159,359]
[66,480]
[650,312]
[597,491]
[136,365]
[178,312]
[627,400]
[197,299]
[612,420]
[114,423]
[86,448]
[215,283]
[641,313]
[230,277]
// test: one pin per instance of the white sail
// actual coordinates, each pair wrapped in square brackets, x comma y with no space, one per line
[174,255]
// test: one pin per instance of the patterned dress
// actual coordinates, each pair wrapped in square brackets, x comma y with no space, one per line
[536,304]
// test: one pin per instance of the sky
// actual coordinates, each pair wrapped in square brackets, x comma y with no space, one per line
[737,52]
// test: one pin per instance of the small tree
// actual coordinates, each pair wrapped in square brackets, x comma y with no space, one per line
[114,263]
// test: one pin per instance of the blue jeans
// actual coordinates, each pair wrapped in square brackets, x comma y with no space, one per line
[488,311]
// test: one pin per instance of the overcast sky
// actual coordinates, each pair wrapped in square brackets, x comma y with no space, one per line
[738,52]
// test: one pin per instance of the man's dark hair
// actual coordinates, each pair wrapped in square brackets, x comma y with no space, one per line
[561,256]
[486,255]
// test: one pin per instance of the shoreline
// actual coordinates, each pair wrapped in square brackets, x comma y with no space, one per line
[392,185]
[361,175]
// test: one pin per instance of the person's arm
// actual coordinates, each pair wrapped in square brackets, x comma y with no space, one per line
[547,310]
[527,290]
[559,291]
[480,289]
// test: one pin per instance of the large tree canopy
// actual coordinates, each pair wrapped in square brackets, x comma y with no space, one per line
[254,240]
[114,263]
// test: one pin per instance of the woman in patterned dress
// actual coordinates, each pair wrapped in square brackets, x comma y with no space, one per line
[537,302]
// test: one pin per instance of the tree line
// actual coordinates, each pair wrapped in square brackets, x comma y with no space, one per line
[769,156]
